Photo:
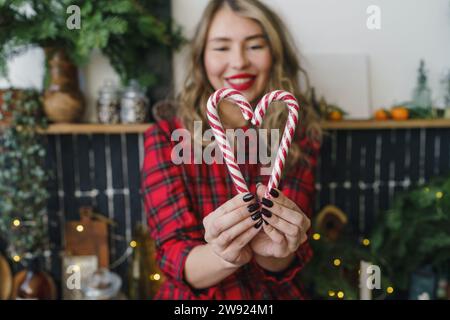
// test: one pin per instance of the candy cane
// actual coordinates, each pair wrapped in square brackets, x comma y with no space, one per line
[219,133]
[288,134]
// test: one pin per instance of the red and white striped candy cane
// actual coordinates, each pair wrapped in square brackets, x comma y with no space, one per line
[219,133]
[288,134]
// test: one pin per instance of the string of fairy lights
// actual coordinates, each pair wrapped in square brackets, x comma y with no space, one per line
[337,263]
[17,223]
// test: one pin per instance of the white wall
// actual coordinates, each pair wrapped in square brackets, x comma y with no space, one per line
[27,71]
[410,30]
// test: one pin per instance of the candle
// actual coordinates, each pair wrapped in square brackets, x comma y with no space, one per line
[365,291]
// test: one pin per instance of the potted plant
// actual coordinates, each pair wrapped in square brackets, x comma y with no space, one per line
[123,30]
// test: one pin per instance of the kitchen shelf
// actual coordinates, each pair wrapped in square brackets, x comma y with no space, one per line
[328,125]
[88,128]
[386,124]
[93,128]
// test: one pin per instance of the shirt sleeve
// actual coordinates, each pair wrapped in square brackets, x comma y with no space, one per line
[304,198]
[302,256]
[174,227]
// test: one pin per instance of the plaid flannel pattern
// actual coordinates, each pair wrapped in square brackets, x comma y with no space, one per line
[178,197]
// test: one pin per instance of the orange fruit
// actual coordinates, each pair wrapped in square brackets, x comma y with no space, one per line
[335,115]
[399,113]
[381,114]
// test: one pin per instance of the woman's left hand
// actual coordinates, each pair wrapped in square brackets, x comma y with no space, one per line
[286,228]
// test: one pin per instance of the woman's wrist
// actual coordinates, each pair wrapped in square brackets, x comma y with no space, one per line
[273,264]
[204,268]
[222,262]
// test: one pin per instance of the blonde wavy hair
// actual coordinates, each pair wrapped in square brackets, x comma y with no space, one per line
[284,75]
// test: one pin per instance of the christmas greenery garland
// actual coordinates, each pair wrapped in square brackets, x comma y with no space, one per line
[23,177]
[414,232]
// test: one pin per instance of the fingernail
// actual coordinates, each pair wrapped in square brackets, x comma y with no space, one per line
[265,222]
[248,197]
[253,207]
[267,202]
[256,215]
[274,193]
[266,212]
[258,224]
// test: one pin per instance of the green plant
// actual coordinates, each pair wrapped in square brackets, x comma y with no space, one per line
[122,29]
[414,232]
[334,268]
[23,178]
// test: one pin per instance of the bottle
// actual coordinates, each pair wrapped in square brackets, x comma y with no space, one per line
[422,93]
[33,283]
[134,275]
[144,277]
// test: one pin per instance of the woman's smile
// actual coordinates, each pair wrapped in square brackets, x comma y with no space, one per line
[241,82]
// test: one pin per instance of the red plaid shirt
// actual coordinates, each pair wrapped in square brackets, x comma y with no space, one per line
[178,197]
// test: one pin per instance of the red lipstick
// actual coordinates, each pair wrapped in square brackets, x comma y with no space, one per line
[241,81]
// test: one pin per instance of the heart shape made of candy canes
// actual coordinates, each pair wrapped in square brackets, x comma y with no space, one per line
[256,118]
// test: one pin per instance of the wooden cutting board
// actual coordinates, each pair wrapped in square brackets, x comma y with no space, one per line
[91,239]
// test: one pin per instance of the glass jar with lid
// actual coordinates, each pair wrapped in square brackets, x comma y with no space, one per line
[102,285]
[134,104]
[108,103]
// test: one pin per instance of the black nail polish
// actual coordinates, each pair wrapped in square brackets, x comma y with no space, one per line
[267,202]
[248,197]
[253,207]
[256,215]
[274,193]
[265,222]
[266,212]
[258,224]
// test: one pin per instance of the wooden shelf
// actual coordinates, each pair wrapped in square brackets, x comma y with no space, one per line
[93,128]
[87,128]
[385,124]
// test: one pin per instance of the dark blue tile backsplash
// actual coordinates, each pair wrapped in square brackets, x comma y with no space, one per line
[359,171]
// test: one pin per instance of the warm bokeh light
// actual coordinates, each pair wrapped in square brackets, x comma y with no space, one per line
[337,262]
[80,228]
[154,276]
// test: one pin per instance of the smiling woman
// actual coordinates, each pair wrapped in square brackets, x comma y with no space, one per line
[213,243]
[237,54]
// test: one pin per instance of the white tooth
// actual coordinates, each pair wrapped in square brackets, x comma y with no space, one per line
[239,81]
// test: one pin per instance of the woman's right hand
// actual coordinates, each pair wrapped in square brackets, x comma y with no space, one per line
[230,228]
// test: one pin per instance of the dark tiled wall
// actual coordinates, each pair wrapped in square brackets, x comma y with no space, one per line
[360,171]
